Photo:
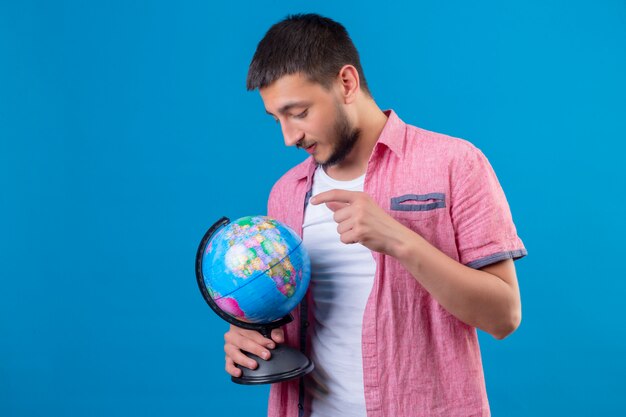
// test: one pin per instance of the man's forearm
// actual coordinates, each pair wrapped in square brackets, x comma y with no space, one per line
[476,297]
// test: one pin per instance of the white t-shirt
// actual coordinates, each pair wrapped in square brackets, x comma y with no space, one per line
[341,281]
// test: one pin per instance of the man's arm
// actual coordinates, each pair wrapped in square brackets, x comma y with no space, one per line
[488,298]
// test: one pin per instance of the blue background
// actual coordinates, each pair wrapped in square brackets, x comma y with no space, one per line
[126,130]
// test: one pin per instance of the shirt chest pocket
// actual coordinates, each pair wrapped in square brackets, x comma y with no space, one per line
[417,207]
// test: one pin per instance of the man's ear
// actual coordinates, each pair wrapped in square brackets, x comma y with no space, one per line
[350,83]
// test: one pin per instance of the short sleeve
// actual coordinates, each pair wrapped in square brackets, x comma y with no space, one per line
[483,225]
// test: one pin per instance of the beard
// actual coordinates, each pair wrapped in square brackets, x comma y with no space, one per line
[345,138]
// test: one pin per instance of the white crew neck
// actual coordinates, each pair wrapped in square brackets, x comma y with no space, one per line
[338,183]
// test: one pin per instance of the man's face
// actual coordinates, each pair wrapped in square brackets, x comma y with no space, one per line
[311,118]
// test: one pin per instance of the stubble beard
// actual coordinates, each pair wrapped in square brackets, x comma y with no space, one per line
[346,137]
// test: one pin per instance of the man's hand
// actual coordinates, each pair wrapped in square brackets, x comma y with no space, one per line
[360,220]
[238,339]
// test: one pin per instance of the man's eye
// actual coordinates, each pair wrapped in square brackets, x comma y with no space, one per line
[301,115]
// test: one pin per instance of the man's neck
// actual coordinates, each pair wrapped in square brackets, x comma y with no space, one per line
[371,123]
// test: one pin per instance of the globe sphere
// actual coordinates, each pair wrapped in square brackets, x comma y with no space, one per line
[256,269]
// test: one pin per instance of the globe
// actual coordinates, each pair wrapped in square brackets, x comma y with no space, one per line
[256,269]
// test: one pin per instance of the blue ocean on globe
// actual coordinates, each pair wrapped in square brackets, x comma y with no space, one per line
[256,269]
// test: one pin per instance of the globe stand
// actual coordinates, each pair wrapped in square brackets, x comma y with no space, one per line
[285,362]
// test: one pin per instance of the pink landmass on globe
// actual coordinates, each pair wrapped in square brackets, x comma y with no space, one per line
[230,306]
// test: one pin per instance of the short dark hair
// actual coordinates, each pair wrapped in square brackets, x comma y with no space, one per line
[313,45]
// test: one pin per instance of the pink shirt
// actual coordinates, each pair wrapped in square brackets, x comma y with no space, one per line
[418,359]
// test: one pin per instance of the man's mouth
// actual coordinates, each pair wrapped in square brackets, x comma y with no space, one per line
[310,149]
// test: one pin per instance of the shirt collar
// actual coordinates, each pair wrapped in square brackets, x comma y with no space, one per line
[393,133]
[392,136]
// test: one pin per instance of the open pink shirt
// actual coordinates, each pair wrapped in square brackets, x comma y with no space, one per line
[418,359]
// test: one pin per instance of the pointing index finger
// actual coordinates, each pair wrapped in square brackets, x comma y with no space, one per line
[341,196]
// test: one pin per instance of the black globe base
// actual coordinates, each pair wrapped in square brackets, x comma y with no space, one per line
[285,363]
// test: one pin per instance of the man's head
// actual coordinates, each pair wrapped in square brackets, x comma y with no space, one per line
[309,75]
[310,44]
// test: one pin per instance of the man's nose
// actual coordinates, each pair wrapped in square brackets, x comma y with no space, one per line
[292,136]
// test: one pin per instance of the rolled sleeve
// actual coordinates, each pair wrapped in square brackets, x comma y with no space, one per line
[484,228]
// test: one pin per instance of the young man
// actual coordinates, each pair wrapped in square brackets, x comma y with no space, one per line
[410,237]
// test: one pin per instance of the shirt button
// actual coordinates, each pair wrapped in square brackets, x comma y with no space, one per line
[300,406]
[306,323]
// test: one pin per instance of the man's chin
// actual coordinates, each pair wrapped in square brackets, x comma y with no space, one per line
[331,161]
[318,160]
